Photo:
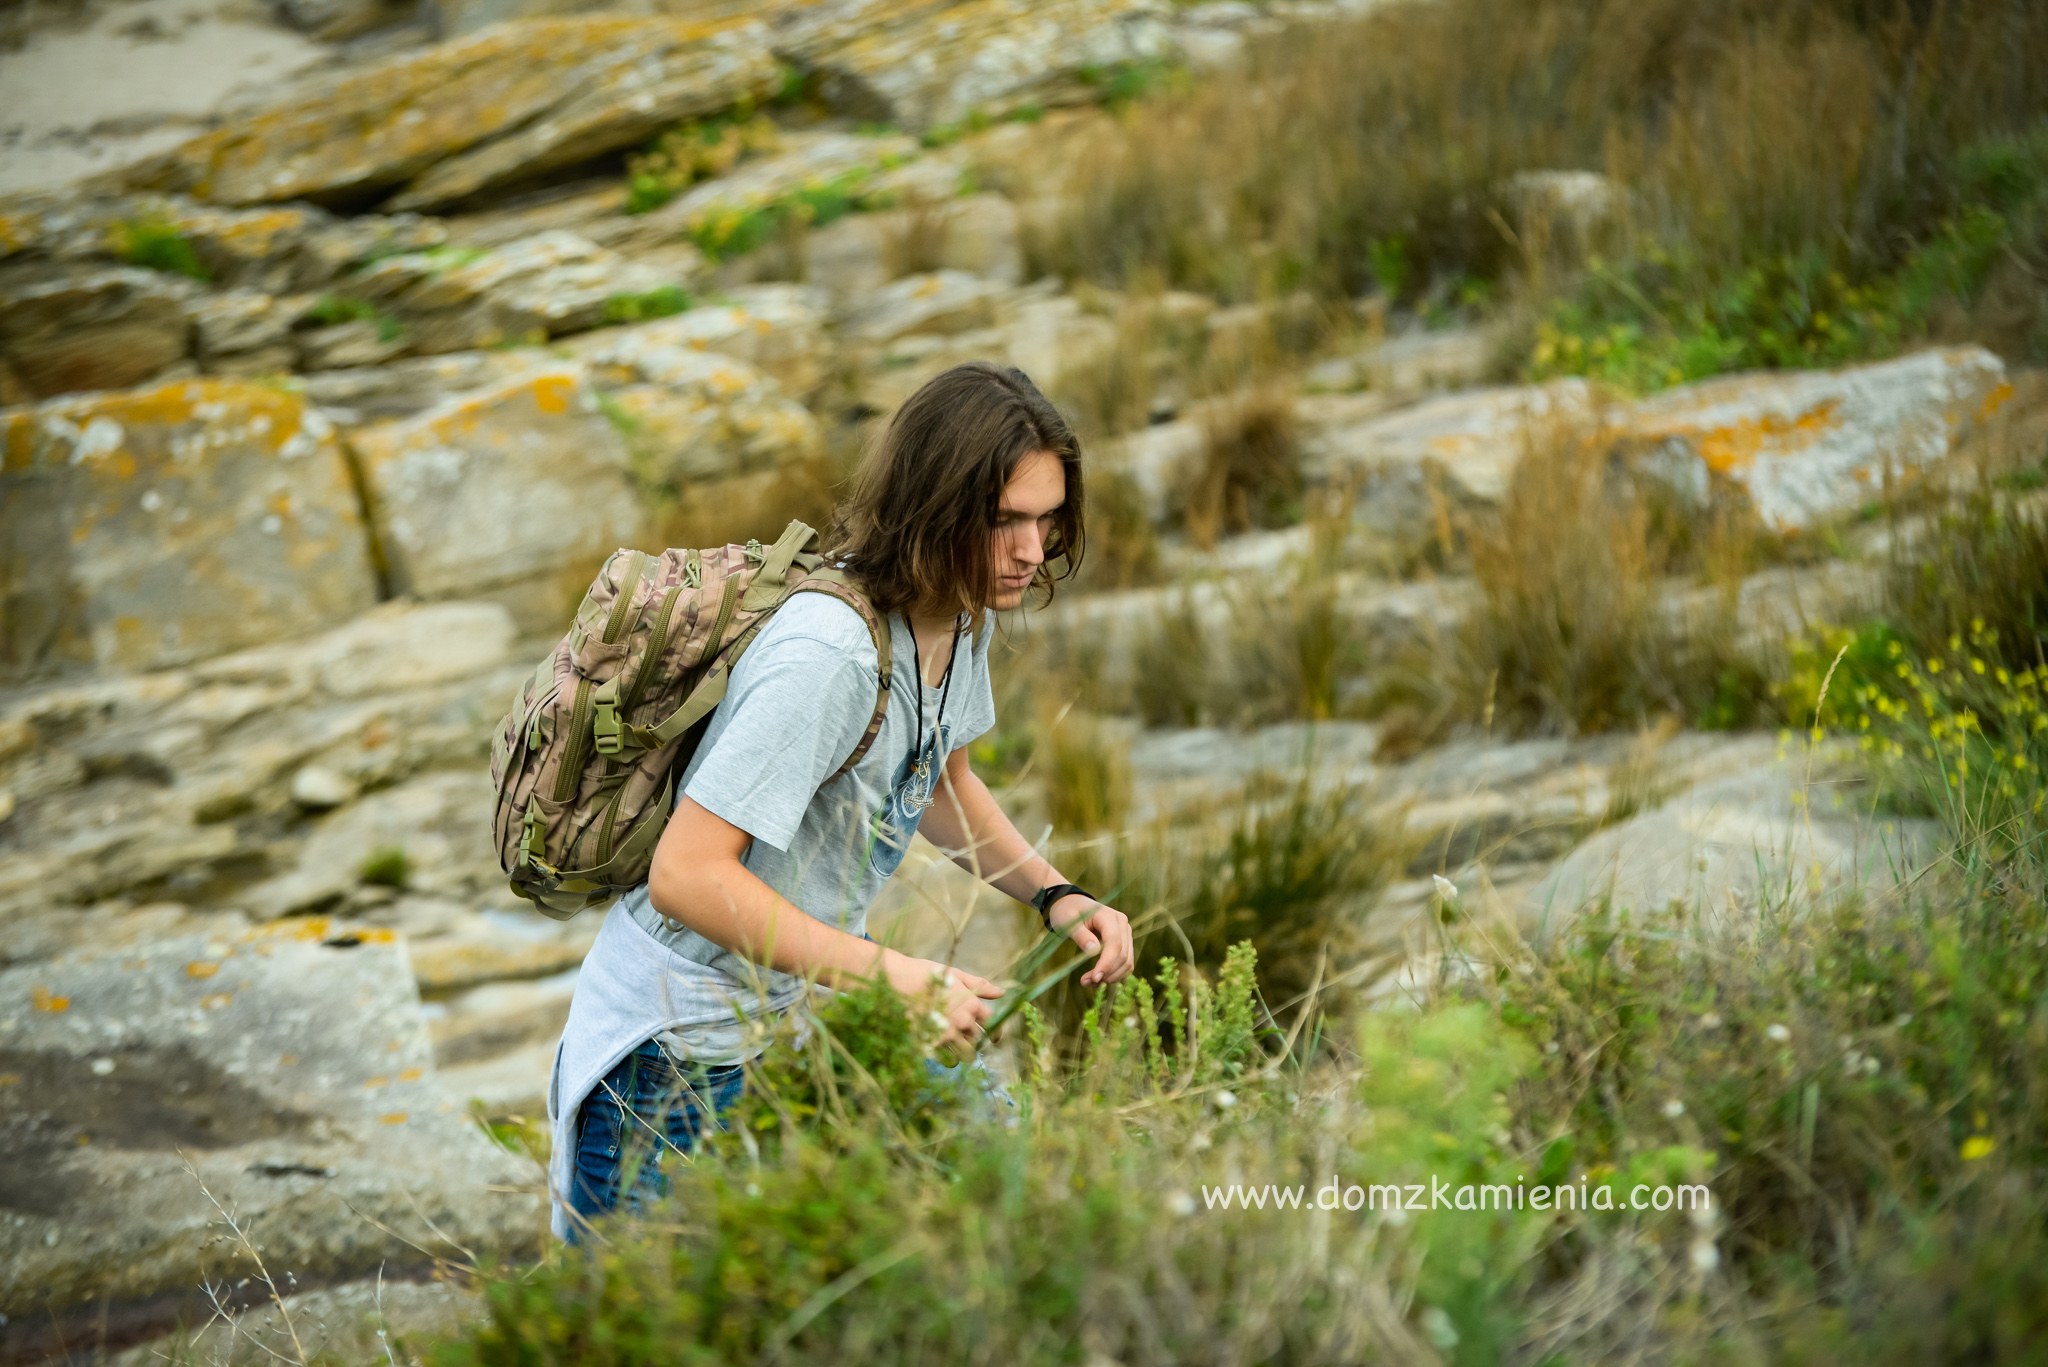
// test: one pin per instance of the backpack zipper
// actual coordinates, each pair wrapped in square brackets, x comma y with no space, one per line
[732,583]
[611,817]
[580,714]
[655,645]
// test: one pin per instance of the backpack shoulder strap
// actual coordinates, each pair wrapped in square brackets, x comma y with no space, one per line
[827,579]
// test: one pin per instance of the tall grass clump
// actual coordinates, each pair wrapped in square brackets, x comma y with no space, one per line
[1577,625]
[1792,184]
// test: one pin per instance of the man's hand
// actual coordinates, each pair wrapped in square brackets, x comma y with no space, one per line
[963,997]
[1095,927]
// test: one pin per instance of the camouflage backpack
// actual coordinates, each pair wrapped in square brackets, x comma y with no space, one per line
[584,762]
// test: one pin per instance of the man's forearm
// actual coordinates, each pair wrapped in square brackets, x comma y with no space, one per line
[971,827]
[728,904]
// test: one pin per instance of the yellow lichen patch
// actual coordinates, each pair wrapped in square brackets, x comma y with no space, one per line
[378,1081]
[10,1079]
[43,999]
[552,393]
[412,1075]
[202,968]
[17,231]
[1999,396]
[392,1118]
[1735,447]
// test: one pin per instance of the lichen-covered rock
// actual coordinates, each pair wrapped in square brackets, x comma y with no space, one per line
[70,328]
[921,64]
[1809,445]
[244,332]
[804,162]
[412,384]
[501,491]
[455,299]
[437,126]
[181,783]
[685,433]
[778,329]
[1459,447]
[284,1073]
[149,527]
[273,249]
[945,301]
[862,252]
[333,20]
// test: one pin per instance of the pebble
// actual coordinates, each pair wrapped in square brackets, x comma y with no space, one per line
[318,788]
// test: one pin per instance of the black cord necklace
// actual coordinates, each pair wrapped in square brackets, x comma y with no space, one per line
[920,769]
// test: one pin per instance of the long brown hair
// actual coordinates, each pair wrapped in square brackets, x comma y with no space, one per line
[920,514]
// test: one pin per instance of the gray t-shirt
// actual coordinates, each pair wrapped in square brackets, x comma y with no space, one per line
[799,699]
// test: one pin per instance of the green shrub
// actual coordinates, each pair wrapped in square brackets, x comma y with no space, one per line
[387,865]
[659,302]
[155,241]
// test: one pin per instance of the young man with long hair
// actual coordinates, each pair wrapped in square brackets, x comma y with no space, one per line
[763,876]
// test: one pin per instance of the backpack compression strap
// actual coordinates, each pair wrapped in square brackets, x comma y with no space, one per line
[711,690]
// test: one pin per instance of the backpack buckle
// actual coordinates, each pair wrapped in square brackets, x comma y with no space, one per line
[533,837]
[605,724]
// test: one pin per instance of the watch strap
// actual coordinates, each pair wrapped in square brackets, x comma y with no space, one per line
[1043,899]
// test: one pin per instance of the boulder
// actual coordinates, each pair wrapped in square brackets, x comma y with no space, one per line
[148,527]
[430,835]
[180,783]
[409,386]
[454,299]
[1467,443]
[945,301]
[331,21]
[271,249]
[1806,446]
[1769,838]
[777,329]
[245,332]
[862,252]
[433,127]
[1414,363]
[921,65]
[501,491]
[691,413]
[283,1076]
[804,162]
[80,327]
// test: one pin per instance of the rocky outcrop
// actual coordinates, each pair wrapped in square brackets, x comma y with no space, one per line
[437,126]
[149,527]
[91,327]
[1773,838]
[777,329]
[1465,444]
[693,417]
[502,490]
[456,299]
[919,64]
[283,1075]
[1801,447]
[1807,446]
[182,785]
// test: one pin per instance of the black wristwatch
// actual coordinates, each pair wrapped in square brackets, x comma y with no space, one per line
[1045,897]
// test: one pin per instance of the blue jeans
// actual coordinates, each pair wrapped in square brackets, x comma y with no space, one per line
[641,1114]
[650,1109]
